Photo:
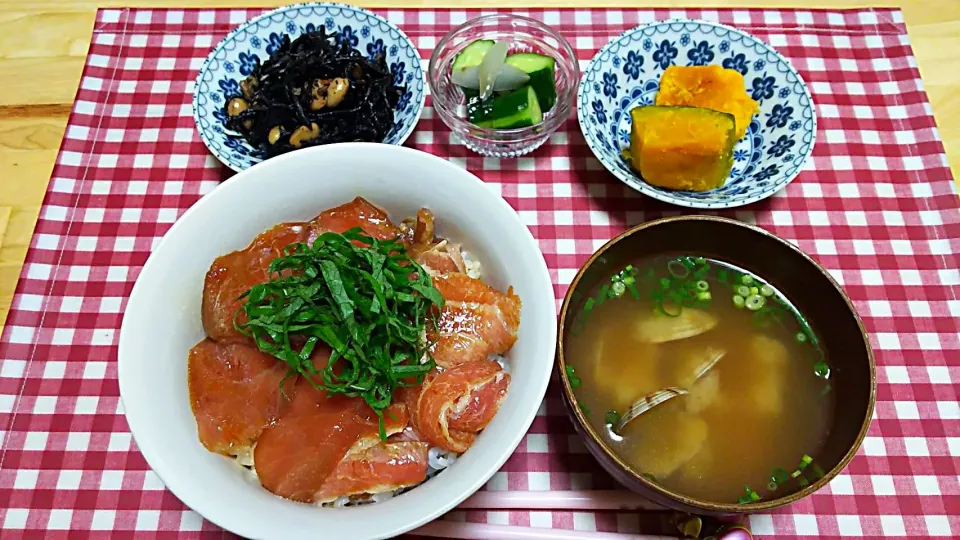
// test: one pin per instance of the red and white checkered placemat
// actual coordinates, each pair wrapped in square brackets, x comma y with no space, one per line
[877,207]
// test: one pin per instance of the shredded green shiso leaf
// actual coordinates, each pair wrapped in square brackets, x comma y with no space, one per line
[369,303]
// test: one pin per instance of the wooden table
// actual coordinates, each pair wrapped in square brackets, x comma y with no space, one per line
[43,45]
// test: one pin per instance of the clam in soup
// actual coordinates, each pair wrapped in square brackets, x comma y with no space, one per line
[743,384]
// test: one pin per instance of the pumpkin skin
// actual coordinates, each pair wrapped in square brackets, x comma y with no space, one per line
[682,148]
[712,87]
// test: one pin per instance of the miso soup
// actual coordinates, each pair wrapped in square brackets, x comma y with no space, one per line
[758,404]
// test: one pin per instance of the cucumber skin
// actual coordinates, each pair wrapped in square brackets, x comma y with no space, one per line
[507,111]
[541,77]
[544,84]
[470,56]
[478,111]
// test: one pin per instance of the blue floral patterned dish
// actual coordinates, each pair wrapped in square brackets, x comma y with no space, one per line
[235,57]
[626,72]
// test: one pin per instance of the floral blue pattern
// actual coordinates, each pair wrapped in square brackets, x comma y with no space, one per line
[230,88]
[633,67]
[397,69]
[236,144]
[240,52]
[625,74]
[348,36]
[701,55]
[365,31]
[610,85]
[767,172]
[247,63]
[779,115]
[599,112]
[782,146]
[763,87]
[737,62]
[274,42]
[665,54]
[404,101]
[376,48]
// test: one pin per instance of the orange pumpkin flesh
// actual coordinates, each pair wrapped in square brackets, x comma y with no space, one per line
[712,87]
[683,148]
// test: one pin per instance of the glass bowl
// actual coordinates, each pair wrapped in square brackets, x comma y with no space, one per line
[524,35]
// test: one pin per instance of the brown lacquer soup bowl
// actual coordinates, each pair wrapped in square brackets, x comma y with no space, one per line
[793,273]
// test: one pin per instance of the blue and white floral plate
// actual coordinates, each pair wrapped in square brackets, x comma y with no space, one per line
[626,73]
[235,57]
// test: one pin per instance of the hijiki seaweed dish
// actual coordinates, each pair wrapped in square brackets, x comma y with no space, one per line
[703,377]
[348,358]
[316,89]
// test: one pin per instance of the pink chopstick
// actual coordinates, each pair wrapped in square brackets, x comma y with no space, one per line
[557,500]
[459,529]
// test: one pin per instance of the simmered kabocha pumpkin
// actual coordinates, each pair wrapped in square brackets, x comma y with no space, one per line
[685,148]
[712,87]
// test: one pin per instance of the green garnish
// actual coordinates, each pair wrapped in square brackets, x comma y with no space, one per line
[754,302]
[602,295]
[575,381]
[617,289]
[677,268]
[822,369]
[749,496]
[584,409]
[780,476]
[370,303]
[612,418]
[738,301]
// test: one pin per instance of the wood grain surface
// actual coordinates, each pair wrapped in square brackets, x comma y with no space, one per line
[43,44]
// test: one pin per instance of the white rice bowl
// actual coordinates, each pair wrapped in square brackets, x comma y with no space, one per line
[162,322]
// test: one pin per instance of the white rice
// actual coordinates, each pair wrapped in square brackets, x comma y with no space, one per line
[473,266]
